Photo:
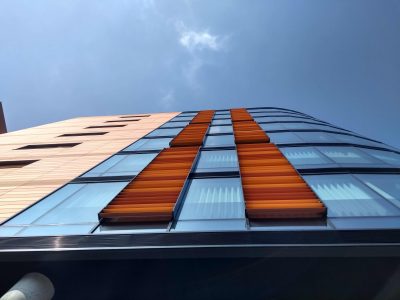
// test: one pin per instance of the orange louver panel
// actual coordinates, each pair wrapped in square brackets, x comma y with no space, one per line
[272,188]
[152,195]
[191,135]
[240,114]
[204,116]
[248,132]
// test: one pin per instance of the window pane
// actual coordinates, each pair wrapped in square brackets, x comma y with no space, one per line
[182,119]
[388,186]
[272,126]
[304,156]
[9,231]
[56,230]
[34,212]
[317,137]
[346,197]
[221,122]
[346,155]
[221,129]
[214,161]
[175,124]
[216,198]
[211,225]
[297,126]
[149,144]
[122,165]
[165,132]
[355,140]
[386,156]
[284,138]
[219,140]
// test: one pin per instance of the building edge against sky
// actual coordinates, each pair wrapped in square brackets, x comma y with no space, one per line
[261,182]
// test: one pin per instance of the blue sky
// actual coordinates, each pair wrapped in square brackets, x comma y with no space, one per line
[336,60]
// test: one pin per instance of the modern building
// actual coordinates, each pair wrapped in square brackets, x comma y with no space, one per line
[262,203]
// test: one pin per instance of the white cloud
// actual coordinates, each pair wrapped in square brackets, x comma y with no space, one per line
[198,40]
[168,99]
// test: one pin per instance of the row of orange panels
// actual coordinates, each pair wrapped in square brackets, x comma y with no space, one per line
[272,187]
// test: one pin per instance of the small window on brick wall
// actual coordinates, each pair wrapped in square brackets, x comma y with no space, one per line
[48,146]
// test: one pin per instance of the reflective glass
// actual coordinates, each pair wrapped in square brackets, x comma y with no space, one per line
[388,186]
[9,231]
[355,140]
[216,198]
[56,230]
[386,156]
[219,140]
[317,137]
[272,126]
[182,119]
[284,138]
[304,156]
[345,196]
[217,161]
[149,144]
[346,155]
[165,132]
[72,204]
[175,124]
[220,129]
[120,165]
[221,122]
[211,225]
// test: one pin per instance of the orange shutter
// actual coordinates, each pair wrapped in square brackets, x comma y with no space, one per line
[247,132]
[240,114]
[152,195]
[191,135]
[204,116]
[272,187]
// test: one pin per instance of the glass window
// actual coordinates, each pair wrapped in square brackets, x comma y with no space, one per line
[8,230]
[80,206]
[120,165]
[182,119]
[149,144]
[224,112]
[386,156]
[346,155]
[221,129]
[165,132]
[217,161]
[296,125]
[317,137]
[219,140]
[211,225]
[192,114]
[388,186]
[355,140]
[325,127]
[221,122]
[284,138]
[304,156]
[175,124]
[272,126]
[214,198]
[56,230]
[222,117]
[344,196]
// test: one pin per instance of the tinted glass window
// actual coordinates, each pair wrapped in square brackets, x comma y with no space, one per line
[304,156]
[219,140]
[317,137]
[346,197]
[120,165]
[220,129]
[272,126]
[221,122]
[165,132]
[355,140]
[388,186]
[346,155]
[284,138]
[175,124]
[216,198]
[217,161]
[386,156]
[182,119]
[150,144]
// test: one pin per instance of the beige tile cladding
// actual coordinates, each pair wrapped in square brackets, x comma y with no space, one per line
[21,187]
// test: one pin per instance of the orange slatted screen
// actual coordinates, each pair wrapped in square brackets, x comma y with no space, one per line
[204,116]
[152,195]
[240,114]
[191,135]
[272,188]
[248,132]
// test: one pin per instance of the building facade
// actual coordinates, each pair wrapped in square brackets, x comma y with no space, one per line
[252,202]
